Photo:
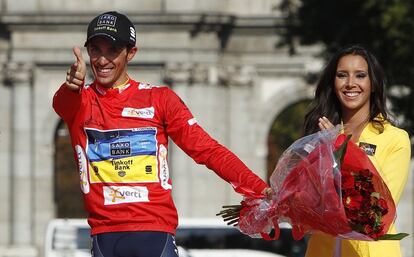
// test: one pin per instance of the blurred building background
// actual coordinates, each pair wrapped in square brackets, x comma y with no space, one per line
[220,56]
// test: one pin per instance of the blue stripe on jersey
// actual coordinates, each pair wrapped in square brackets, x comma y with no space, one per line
[115,144]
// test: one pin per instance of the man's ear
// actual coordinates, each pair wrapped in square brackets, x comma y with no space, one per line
[131,52]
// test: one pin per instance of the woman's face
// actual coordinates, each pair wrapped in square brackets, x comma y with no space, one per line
[353,84]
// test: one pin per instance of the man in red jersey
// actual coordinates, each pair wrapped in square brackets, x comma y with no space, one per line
[119,130]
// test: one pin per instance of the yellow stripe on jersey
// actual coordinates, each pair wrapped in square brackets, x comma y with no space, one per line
[136,169]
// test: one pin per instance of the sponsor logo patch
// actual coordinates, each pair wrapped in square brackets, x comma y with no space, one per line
[164,171]
[83,172]
[192,121]
[132,33]
[125,194]
[120,148]
[369,149]
[146,113]
[107,20]
[122,156]
[144,86]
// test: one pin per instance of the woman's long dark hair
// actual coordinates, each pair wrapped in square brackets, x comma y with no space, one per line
[326,102]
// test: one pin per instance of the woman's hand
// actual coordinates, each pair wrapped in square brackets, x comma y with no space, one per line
[324,123]
[268,192]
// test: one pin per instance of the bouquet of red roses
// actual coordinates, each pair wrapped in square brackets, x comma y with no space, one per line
[322,182]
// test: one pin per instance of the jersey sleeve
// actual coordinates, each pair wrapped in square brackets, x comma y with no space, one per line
[66,103]
[182,127]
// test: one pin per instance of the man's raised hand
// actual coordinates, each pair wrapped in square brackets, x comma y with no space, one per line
[75,76]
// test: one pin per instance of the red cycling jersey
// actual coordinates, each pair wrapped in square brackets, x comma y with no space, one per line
[120,141]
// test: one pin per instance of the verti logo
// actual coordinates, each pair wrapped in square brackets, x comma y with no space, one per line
[125,194]
[145,113]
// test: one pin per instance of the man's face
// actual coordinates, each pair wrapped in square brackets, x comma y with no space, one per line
[108,62]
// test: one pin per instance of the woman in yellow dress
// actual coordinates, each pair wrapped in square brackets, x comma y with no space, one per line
[351,91]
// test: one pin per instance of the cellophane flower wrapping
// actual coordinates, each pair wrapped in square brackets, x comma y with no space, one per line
[316,191]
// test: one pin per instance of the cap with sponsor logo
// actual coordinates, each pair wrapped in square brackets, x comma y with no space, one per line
[113,25]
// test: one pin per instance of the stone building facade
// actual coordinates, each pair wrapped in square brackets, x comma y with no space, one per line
[218,55]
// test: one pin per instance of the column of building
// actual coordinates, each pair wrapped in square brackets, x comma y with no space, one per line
[20,79]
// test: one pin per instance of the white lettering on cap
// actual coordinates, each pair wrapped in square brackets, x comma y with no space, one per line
[107,20]
[132,31]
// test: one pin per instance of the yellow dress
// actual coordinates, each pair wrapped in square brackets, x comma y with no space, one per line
[392,159]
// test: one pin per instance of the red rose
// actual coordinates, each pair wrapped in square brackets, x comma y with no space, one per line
[367,185]
[358,184]
[352,215]
[366,174]
[353,200]
[367,229]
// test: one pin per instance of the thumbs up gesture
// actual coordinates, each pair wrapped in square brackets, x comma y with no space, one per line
[75,76]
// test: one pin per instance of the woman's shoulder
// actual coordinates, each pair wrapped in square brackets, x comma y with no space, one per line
[393,130]
[396,134]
